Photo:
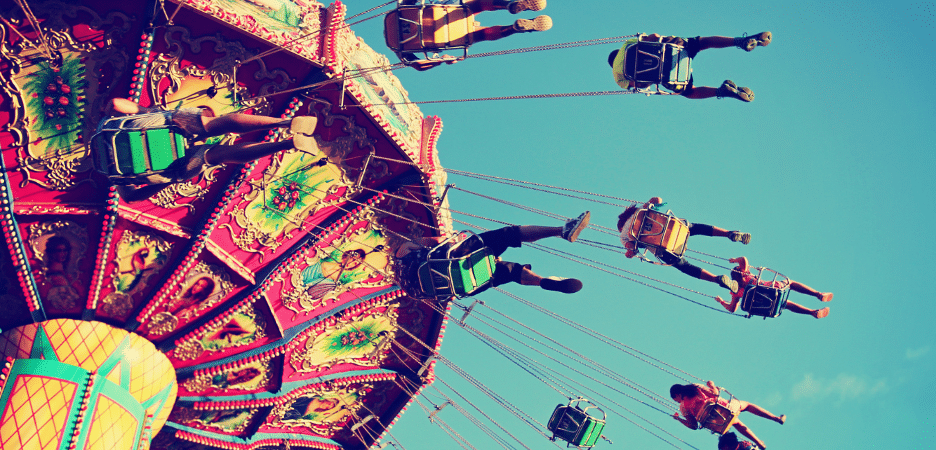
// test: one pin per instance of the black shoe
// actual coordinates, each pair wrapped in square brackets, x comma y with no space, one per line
[564,285]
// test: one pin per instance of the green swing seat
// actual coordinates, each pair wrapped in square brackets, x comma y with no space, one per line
[127,154]
[450,276]
[447,270]
[575,425]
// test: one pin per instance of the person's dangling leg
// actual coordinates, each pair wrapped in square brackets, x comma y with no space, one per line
[243,153]
[701,229]
[800,309]
[302,128]
[515,7]
[241,123]
[533,233]
[760,412]
[697,272]
[506,272]
[803,289]
[746,43]
[569,231]
[744,430]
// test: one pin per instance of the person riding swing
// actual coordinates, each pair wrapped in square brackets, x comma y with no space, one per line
[143,150]
[671,57]
[431,26]
[664,236]
[417,254]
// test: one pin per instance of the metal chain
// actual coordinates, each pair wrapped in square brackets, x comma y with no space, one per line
[479,175]
[601,337]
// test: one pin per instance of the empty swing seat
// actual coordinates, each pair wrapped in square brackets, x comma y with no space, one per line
[123,152]
[575,426]
[668,64]
[424,28]
[659,231]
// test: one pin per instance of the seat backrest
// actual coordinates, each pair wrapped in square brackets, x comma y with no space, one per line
[575,426]
[716,418]
[764,301]
[122,150]
[657,230]
[472,272]
[428,28]
[655,62]
[677,66]
[468,274]
[452,26]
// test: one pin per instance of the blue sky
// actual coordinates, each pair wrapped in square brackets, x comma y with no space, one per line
[831,169]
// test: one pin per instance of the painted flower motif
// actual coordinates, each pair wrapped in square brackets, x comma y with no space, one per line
[54,105]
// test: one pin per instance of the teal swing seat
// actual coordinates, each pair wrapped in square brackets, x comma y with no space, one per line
[128,155]
[575,425]
[667,64]
[448,272]
[766,297]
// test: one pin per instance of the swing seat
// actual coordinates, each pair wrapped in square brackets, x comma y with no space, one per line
[659,231]
[668,64]
[575,426]
[124,152]
[424,28]
[765,301]
[718,418]
[444,271]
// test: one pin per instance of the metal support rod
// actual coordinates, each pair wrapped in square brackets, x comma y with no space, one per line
[425,366]
[363,169]
[361,423]
[445,192]
[468,311]
[438,408]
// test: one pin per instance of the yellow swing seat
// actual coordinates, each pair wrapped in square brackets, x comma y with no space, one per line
[657,231]
[425,28]
[719,418]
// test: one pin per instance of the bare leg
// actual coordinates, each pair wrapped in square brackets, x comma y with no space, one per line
[803,289]
[708,276]
[240,123]
[758,411]
[702,92]
[477,6]
[708,42]
[492,33]
[243,153]
[744,430]
[533,233]
[530,278]
[800,309]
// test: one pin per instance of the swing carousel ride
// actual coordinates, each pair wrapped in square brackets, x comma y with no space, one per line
[254,306]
